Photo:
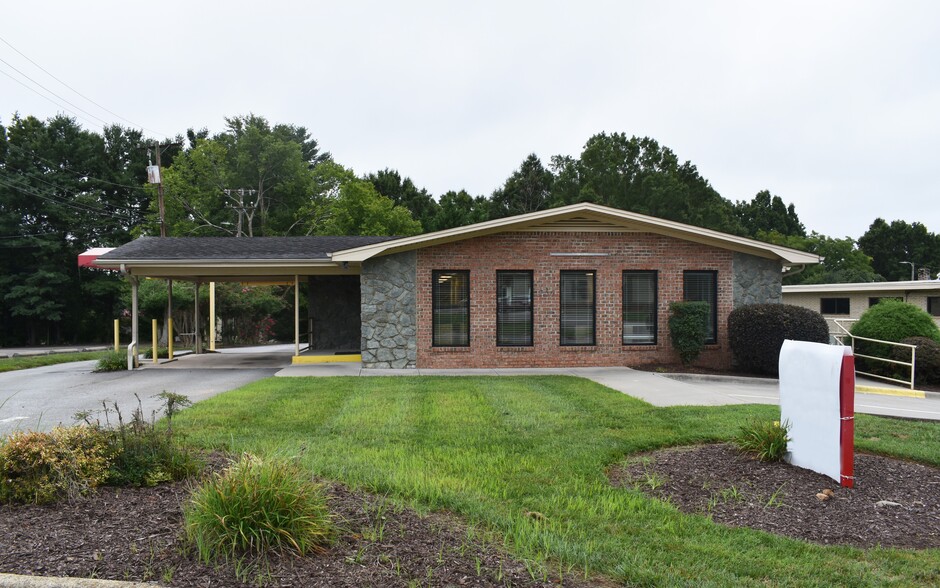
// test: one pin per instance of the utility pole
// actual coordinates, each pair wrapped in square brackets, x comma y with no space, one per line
[160,205]
[245,212]
[155,176]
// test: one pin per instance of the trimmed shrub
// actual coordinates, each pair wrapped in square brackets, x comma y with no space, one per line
[927,362]
[44,467]
[112,362]
[890,320]
[756,333]
[255,506]
[688,329]
[766,440]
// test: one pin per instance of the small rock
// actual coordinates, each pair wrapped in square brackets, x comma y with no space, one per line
[887,503]
[822,497]
[828,492]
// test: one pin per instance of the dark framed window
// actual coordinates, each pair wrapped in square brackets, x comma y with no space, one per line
[702,286]
[450,304]
[577,301]
[514,308]
[639,307]
[873,300]
[933,305]
[834,306]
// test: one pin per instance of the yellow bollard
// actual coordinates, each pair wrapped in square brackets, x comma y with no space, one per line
[169,338]
[156,356]
[117,335]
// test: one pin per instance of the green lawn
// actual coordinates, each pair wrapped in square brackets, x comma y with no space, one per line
[30,361]
[495,449]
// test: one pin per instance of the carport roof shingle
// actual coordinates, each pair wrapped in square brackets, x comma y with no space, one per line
[219,248]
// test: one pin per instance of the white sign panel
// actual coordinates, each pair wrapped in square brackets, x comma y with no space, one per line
[809,402]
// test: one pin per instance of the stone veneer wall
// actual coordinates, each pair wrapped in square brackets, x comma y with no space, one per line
[333,302]
[389,311]
[756,280]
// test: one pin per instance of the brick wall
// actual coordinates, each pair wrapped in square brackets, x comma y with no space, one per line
[483,256]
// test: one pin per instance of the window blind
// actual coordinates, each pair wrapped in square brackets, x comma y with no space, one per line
[577,307]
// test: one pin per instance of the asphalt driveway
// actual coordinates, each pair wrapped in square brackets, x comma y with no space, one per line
[41,398]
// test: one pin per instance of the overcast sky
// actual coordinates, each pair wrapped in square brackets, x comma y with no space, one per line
[834,106]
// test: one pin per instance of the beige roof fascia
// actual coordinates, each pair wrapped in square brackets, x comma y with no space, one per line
[629,220]
[905,286]
[228,269]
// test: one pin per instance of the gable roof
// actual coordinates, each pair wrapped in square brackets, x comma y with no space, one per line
[584,216]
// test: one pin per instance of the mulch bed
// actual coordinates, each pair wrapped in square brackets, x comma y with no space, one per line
[135,534]
[735,489]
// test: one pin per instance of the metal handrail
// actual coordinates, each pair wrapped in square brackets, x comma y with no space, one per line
[911,364]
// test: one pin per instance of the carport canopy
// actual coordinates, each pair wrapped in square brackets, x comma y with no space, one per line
[232,259]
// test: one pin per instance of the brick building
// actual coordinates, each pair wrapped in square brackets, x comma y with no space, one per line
[580,285]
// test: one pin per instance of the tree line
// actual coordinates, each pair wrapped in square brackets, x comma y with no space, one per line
[64,189]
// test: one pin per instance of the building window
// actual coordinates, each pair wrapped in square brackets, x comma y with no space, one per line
[873,300]
[514,308]
[703,286]
[639,307]
[933,305]
[450,303]
[577,307]
[834,306]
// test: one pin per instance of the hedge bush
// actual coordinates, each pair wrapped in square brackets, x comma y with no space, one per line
[890,320]
[927,362]
[756,333]
[893,320]
[688,329]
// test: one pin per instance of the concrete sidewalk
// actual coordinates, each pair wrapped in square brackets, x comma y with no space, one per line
[657,389]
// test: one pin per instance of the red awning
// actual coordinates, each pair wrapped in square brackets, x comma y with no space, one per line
[87,259]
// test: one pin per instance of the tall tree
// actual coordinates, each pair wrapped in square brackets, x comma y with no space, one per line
[639,175]
[892,246]
[528,189]
[842,260]
[62,190]
[249,180]
[361,210]
[766,213]
[403,192]
[458,209]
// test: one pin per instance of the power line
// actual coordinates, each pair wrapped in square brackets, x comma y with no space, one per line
[63,188]
[40,94]
[62,167]
[11,66]
[47,72]
[78,206]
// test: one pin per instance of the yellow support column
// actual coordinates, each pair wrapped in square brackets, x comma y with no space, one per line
[117,335]
[169,338]
[156,356]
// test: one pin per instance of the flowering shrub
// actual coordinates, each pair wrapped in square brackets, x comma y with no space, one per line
[43,467]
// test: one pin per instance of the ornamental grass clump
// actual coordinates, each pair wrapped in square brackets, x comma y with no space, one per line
[766,440]
[114,361]
[256,506]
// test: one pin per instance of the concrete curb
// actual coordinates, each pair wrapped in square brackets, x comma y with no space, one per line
[17,581]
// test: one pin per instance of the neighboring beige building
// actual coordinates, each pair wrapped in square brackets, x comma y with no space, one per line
[850,301]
